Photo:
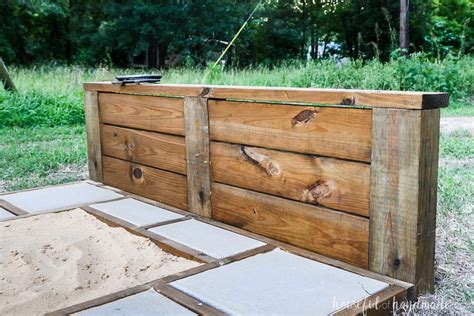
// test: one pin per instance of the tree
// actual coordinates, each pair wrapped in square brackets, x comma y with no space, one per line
[404,30]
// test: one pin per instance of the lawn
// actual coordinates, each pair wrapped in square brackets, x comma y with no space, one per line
[42,138]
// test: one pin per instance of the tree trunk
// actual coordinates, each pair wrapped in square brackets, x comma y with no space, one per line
[404,38]
[152,56]
[304,23]
[162,52]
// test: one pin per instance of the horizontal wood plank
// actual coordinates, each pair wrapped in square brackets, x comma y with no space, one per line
[330,233]
[162,151]
[162,186]
[144,112]
[329,182]
[188,301]
[369,98]
[332,132]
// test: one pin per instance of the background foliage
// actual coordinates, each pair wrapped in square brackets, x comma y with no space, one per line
[52,95]
[187,32]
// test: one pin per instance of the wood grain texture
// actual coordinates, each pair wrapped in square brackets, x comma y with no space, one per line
[162,151]
[162,186]
[94,153]
[198,155]
[157,114]
[331,233]
[101,300]
[329,182]
[12,208]
[332,132]
[369,98]
[189,302]
[403,195]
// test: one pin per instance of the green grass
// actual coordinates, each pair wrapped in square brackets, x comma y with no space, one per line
[463,107]
[459,144]
[52,96]
[34,157]
[454,232]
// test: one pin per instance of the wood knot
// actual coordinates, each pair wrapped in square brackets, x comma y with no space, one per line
[270,166]
[348,101]
[201,197]
[317,192]
[304,117]
[396,263]
[129,146]
[137,173]
[205,92]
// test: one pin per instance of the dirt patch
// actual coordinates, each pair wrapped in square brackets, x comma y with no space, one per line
[456,163]
[450,124]
[52,261]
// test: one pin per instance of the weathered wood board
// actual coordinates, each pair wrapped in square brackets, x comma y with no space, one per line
[333,183]
[163,186]
[370,98]
[94,150]
[403,197]
[143,112]
[334,234]
[162,151]
[198,156]
[325,131]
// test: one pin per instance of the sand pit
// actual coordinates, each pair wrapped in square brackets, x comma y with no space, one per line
[51,261]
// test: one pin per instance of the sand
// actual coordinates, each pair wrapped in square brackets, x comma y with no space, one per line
[52,261]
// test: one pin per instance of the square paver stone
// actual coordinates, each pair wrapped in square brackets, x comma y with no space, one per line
[145,303]
[5,214]
[211,240]
[278,282]
[64,196]
[136,212]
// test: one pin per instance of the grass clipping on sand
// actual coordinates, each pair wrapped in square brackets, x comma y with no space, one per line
[52,261]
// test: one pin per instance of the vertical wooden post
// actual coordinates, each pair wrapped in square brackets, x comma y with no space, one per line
[198,155]
[404,171]
[94,149]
